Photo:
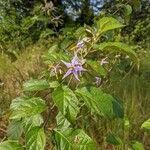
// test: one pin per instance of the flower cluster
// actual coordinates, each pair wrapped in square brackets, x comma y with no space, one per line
[74,67]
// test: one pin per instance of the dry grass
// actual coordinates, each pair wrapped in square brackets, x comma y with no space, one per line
[12,75]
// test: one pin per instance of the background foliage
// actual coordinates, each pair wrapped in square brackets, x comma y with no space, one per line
[35,34]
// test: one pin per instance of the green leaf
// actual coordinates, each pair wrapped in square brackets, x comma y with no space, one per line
[14,130]
[137,146]
[16,103]
[32,121]
[127,10]
[117,47]
[53,48]
[108,23]
[118,109]
[46,33]
[10,145]
[97,67]
[65,44]
[73,140]
[66,102]
[146,124]
[80,32]
[62,139]
[55,57]
[112,139]
[62,122]
[83,141]
[54,84]
[96,100]
[35,139]
[26,107]
[35,85]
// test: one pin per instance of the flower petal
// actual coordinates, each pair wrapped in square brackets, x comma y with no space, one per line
[79,68]
[76,75]
[75,60]
[68,65]
[67,73]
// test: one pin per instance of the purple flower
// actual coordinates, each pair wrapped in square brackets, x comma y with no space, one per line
[75,67]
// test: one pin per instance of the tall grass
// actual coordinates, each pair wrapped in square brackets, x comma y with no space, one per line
[13,74]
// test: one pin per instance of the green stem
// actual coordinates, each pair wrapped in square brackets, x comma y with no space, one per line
[70,80]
